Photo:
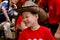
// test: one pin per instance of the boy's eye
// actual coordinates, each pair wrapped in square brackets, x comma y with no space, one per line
[25,17]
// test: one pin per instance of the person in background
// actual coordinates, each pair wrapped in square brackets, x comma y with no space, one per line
[5,16]
[54,12]
[57,33]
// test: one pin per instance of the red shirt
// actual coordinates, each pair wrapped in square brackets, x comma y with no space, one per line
[19,20]
[54,11]
[41,34]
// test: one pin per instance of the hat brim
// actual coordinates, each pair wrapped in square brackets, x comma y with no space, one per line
[28,8]
[40,11]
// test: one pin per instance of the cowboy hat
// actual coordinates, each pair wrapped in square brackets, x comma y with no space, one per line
[33,7]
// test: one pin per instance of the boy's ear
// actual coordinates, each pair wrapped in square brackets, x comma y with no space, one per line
[36,15]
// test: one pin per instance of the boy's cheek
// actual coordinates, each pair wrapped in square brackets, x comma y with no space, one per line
[31,20]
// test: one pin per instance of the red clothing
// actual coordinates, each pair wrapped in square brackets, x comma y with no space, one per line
[41,3]
[54,11]
[58,7]
[19,20]
[41,34]
[20,3]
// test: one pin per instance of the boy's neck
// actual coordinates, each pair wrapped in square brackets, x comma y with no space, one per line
[35,27]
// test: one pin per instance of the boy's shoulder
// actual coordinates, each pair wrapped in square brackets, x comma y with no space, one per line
[44,28]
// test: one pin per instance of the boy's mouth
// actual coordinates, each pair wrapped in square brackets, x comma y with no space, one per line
[26,23]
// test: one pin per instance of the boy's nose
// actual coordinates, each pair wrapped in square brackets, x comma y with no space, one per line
[24,19]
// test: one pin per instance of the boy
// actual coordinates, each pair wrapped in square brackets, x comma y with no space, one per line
[31,16]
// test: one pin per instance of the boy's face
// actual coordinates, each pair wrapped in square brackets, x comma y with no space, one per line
[28,18]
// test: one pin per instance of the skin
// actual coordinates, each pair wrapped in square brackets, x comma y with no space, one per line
[30,20]
[4,10]
[5,13]
[13,2]
[22,26]
[57,34]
